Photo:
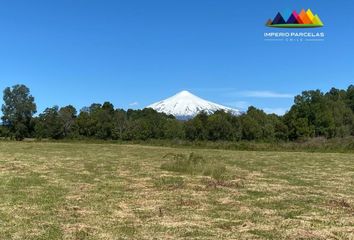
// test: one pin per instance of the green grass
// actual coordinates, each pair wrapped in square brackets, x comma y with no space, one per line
[295,25]
[194,164]
[114,191]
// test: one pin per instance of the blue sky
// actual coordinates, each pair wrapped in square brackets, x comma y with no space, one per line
[134,53]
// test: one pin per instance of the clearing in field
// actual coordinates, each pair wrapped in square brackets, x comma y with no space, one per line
[109,191]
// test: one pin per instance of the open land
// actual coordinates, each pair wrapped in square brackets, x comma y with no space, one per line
[112,191]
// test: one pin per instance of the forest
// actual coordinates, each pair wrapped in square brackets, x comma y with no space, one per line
[313,114]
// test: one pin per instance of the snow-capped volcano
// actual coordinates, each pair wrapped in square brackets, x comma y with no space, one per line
[185,105]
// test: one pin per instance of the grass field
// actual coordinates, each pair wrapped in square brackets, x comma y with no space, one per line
[109,191]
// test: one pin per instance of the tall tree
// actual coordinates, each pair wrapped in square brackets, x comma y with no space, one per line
[219,127]
[67,117]
[120,122]
[48,124]
[350,97]
[18,109]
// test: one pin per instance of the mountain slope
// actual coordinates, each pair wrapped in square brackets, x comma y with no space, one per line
[185,105]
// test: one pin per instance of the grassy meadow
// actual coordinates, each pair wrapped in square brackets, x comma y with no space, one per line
[111,191]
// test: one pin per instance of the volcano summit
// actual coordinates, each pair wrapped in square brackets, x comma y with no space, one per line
[184,105]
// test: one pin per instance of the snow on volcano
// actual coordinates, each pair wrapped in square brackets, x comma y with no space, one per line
[185,105]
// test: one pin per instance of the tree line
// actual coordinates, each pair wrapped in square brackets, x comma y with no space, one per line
[313,114]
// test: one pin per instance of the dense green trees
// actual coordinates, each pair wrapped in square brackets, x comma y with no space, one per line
[146,124]
[48,124]
[56,123]
[313,114]
[18,109]
[317,114]
[219,127]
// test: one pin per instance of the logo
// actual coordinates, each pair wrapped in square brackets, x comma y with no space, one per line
[305,19]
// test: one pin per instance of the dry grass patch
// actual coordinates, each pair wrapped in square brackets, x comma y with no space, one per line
[108,191]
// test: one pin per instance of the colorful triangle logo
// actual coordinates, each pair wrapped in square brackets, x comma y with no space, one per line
[304,19]
[278,19]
